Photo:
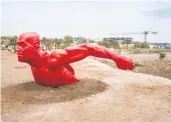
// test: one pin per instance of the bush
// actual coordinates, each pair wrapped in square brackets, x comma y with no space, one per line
[125,46]
[63,46]
[137,45]
[162,55]
[154,51]
[145,45]
[110,44]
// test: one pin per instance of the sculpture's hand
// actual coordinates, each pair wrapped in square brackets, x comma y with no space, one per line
[125,63]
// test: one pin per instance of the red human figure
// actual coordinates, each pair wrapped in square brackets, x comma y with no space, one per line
[54,69]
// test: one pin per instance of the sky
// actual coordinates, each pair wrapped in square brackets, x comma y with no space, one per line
[90,19]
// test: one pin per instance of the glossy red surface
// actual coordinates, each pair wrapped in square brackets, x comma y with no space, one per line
[54,69]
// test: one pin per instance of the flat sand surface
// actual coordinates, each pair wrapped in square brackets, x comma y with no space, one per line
[104,94]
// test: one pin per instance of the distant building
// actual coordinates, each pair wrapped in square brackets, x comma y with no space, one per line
[79,40]
[119,39]
[163,45]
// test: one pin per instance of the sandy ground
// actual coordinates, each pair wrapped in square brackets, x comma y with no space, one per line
[103,95]
[146,64]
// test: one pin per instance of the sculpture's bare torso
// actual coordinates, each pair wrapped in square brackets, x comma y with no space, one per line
[61,75]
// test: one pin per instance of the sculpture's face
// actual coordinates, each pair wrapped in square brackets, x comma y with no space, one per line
[26,46]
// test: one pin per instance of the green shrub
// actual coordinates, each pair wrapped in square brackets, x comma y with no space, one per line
[162,55]
[63,46]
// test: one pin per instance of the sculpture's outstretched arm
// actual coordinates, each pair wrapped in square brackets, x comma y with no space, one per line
[73,54]
[122,62]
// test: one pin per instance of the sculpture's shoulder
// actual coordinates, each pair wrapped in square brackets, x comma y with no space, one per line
[58,53]
[45,55]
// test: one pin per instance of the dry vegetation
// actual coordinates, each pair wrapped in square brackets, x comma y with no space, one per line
[158,67]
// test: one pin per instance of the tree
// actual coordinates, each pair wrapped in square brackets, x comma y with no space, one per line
[43,41]
[12,41]
[145,45]
[137,44]
[110,44]
[91,41]
[104,43]
[68,39]
[124,42]
[57,43]
[101,43]
[48,42]
[114,44]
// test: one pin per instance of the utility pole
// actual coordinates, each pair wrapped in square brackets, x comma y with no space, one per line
[145,35]
[145,38]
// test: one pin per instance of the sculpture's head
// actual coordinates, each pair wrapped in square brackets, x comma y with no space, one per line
[27,44]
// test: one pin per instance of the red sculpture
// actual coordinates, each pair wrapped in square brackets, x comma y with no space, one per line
[54,69]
